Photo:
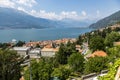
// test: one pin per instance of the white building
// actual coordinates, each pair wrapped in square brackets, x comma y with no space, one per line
[35,53]
[48,52]
[22,51]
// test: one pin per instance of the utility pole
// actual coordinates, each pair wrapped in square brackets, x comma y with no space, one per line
[30,70]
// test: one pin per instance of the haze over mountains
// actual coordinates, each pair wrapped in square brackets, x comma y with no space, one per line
[107,21]
[15,19]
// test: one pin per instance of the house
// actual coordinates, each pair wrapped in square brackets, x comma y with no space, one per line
[35,53]
[78,47]
[48,52]
[22,51]
[97,53]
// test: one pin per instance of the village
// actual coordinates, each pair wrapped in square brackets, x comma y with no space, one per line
[41,48]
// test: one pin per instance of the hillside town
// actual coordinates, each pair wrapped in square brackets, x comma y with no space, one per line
[41,48]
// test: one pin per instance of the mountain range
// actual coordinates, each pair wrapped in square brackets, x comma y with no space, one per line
[107,21]
[15,19]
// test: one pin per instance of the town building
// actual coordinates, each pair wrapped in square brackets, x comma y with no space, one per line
[22,51]
[35,53]
[48,52]
[78,48]
[96,53]
[99,54]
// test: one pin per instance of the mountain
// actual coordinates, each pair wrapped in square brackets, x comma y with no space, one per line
[110,20]
[74,23]
[15,19]
[11,18]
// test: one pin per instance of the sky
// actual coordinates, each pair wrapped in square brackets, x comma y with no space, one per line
[65,9]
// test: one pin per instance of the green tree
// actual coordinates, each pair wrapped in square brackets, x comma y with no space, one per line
[110,38]
[39,70]
[9,65]
[4,45]
[96,43]
[80,40]
[64,52]
[113,53]
[76,62]
[61,72]
[95,64]
[20,43]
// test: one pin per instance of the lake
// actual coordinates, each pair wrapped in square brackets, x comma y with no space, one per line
[41,34]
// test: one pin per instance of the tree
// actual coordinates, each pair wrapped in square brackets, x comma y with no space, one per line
[39,70]
[9,65]
[110,38]
[80,40]
[96,43]
[95,64]
[20,43]
[113,53]
[64,52]
[76,62]
[4,45]
[61,72]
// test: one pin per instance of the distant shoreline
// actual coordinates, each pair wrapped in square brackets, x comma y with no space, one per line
[42,28]
[27,35]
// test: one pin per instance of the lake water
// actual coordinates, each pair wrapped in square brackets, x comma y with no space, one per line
[41,34]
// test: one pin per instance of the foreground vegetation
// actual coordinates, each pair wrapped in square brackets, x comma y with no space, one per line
[9,65]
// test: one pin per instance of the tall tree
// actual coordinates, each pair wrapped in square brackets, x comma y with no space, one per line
[96,43]
[80,40]
[20,43]
[110,38]
[76,62]
[9,65]
[95,64]
[61,72]
[64,52]
[39,70]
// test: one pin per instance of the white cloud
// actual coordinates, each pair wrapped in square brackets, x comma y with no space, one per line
[84,13]
[7,3]
[14,3]
[54,16]
[44,14]
[22,9]
[28,3]
[72,15]
[62,15]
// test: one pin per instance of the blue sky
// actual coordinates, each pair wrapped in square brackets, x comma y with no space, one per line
[61,9]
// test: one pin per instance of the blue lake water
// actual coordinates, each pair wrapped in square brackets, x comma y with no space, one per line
[41,34]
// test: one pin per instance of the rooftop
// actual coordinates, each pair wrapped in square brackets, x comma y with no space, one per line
[21,48]
[99,54]
[50,49]
[34,51]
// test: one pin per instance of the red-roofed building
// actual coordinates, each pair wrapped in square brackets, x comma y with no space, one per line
[99,54]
